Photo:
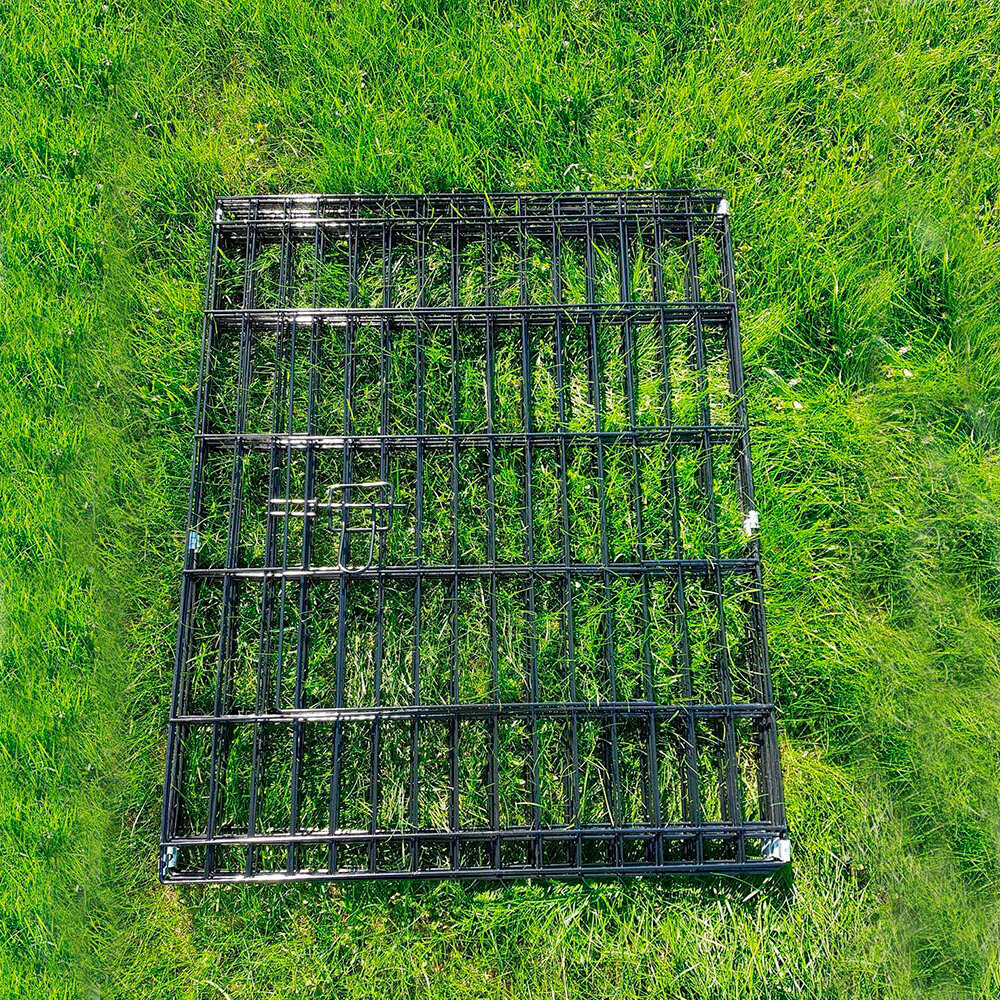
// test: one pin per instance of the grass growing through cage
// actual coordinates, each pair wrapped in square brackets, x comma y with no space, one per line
[856,146]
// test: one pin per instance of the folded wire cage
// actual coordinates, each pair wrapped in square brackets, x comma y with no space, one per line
[472,584]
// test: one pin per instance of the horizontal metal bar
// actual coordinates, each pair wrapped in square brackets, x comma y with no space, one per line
[509,834]
[582,711]
[660,567]
[562,206]
[542,221]
[475,197]
[614,313]
[641,436]
[683,196]
[303,507]
[589,872]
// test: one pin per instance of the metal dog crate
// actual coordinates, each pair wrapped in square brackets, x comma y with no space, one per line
[472,584]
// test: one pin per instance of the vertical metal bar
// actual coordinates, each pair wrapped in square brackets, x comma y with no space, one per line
[417,600]
[344,555]
[596,383]
[385,388]
[302,637]
[691,803]
[453,816]
[728,776]
[230,586]
[315,390]
[189,586]
[268,591]
[529,520]
[659,293]
[561,392]
[772,800]
[492,776]
[651,786]
[630,393]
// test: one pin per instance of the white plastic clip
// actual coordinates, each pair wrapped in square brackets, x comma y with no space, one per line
[723,208]
[751,523]
[779,849]
[194,541]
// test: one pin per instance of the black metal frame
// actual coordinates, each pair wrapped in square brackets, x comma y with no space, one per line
[472,583]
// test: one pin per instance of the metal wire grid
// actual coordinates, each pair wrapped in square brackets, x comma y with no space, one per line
[472,583]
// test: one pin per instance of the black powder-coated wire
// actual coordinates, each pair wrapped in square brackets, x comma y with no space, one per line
[329,513]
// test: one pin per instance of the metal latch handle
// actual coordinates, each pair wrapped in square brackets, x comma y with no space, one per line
[382,512]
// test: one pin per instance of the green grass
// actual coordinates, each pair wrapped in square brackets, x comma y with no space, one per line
[858,145]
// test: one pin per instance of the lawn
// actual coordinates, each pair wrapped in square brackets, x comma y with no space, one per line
[859,148]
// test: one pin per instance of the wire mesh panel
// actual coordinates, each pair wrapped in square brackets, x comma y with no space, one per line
[472,584]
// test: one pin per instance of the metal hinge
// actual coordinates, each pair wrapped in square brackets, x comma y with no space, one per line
[170,858]
[779,849]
